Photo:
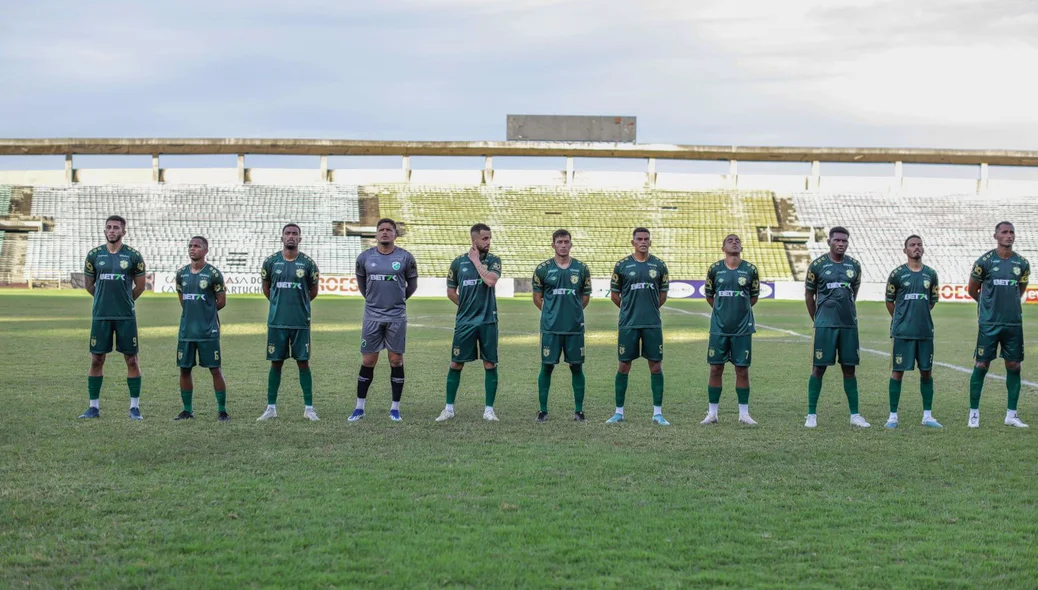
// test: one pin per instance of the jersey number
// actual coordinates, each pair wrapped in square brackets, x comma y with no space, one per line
[216,355]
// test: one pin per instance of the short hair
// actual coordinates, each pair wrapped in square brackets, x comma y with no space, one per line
[295,225]
[839,230]
[386,220]
[205,242]
[913,236]
[560,233]
[1001,223]
[728,236]
[640,230]
[122,221]
[478,228]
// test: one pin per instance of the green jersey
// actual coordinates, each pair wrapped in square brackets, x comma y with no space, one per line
[835,285]
[639,285]
[290,283]
[564,289]
[1002,281]
[198,290]
[113,276]
[477,303]
[913,293]
[732,290]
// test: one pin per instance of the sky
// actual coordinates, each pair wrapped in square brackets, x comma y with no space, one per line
[925,73]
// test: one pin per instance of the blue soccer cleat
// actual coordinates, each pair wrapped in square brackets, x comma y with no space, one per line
[91,413]
[135,414]
[615,419]
[659,419]
[356,415]
[394,415]
[890,424]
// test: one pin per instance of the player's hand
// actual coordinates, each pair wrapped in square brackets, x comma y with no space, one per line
[474,256]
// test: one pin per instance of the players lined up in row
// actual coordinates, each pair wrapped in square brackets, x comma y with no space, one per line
[388,275]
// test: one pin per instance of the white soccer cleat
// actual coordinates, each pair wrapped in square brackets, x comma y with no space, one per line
[974,421]
[267,415]
[489,415]
[710,419]
[811,422]
[445,415]
[1015,421]
[745,419]
[857,420]
[310,415]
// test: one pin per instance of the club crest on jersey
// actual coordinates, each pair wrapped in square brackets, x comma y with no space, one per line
[926,283]
[124,264]
[898,359]
[652,273]
[457,351]
[203,284]
[89,267]
[891,288]
[1016,270]
[396,265]
[574,279]
[300,272]
[270,348]
[980,351]
[622,349]
[818,354]
[93,342]
[850,273]
[710,352]
[180,354]
[546,352]
[742,281]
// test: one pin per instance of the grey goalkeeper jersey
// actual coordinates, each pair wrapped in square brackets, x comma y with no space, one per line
[385,277]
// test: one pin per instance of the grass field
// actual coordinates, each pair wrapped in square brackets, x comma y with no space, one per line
[289,503]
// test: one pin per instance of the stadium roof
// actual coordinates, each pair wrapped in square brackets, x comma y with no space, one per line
[361,147]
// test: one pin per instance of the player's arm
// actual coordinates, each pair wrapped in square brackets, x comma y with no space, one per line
[452,282]
[856,282]
[810,286]
[488,273]
[89,274]
[754,287]
[1025,277]
[412,277]
[615,285]
[265,278]
[976,278]
[664,284]
[585,288]
[139,279]
[935,291]
[708,289]
[362,277]
[538,288]
[891,292]
[315,280]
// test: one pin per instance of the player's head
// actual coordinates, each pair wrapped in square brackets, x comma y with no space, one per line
[561,242]
[115,229]
[838,238]
[197,248]
[1005,234]
[641,239]
[732,244]
[914,247]
[480,234]
[291,235]
[385,232]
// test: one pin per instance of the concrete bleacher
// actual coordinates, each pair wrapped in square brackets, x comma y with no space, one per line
[956,228]
[241,222]
[687,227]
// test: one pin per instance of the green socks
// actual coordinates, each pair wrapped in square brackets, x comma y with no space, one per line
[620,388]
[656,383]
[713,394]
[306,381]
[1013,387]
[273,383]
[489,385]
[185,396]
[926,388]
[221,401]
[894,392]
[134,385]
[850,387]
[453,383]
[94,386]
[543,385]
[743,393]
[814,391]
[977,386]
[578,387]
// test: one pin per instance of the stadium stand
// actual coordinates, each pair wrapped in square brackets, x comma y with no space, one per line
[242,223]
[688,227]
[956,229]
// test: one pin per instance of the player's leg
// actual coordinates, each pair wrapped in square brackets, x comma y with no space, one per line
[742,351]
[847,349]
[101,334]
[372,341]
[126,343]
[396,342]
[573,352]
[209,358]
[300,347]
[463,350]
[902,358]
[824,346]
[652,350]
[551,354]
[717,355]
[987,347]
[186,352]
[626,352]
[488,337]
[277,352]
[924,355]
[1012,344]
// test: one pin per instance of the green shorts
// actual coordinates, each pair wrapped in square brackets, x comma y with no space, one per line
[734,349]
[472,342]
[632,343]
[124,332]
[1009,338]
[906,353]
[832,341]
[207,351]
[554,345]
[288,342]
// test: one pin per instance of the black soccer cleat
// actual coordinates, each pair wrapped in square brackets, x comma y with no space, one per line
[91,412]
[185,415]
[542,416]
[579,417]
[224,417]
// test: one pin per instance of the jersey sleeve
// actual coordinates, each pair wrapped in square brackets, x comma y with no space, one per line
[979,271]
[361,271]
[891,295]
[265,270]
[138,264]
[452,275]
[412,267]
[494,265]
[88,265]
[1025,274]
[178,281]
[708,288]
[216,281]
[935,289]
[585,288]
[538,280]
[811,281]
[754,282]
[314,274]
[664,278]
[856,279]
[616,281]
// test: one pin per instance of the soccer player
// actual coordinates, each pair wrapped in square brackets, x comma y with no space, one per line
[290,282]
[387,276]
[470,285]
[830,290]
[998,280]
[912,291]
[201,291]
[639,288]
[732,289]
[561,290]
[114,276]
